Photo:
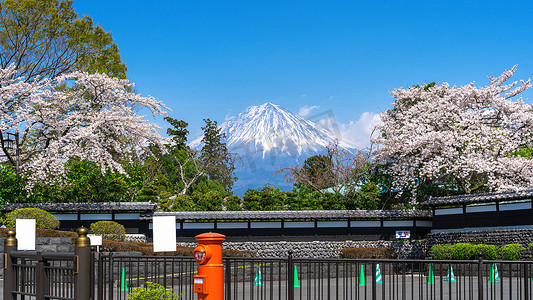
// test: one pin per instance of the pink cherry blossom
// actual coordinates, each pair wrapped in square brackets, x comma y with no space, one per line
[448,132]
[76,116]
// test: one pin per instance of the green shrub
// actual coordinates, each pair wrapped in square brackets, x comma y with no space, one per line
[109,230]
[489,252]
[511,251]
[465,251]
[152,291]
[43,219]
[441,252]
[530,245]
[462,251]
[362,253]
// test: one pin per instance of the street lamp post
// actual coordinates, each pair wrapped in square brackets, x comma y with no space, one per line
[8,144]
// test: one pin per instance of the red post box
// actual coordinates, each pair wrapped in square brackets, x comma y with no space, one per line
[209,283]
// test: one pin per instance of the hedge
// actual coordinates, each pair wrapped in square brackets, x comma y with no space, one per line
[109,230]
[466,251]
[511,251]
[43,219]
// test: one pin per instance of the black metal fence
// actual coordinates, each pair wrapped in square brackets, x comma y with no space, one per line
[37,275]
[317,279]
[117,274]
[112,276]
[43,275]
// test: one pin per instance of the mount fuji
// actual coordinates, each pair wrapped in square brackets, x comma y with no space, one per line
[269,137]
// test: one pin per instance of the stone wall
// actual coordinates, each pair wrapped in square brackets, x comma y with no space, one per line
[322,249]
[332,249]
[493,237]
[490,237]
[49,244]
[405,249]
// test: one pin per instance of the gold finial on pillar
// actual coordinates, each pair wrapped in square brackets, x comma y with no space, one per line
[11,240]
[82,240]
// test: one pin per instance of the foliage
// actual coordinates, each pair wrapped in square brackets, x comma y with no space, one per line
[101,125]
[85,182]
[232,203]
[179,133]
[218,162]
[316,172]
[489,252]
[109,230]
[265,198]
[367,253]
[441,251]
[82,182]
[40,232]
[148,249]
[467,137]
[511,251]
[368,197]
[466,251]
[208,196]
[152,291]
[392,198]
[462,251]
[46,38]
[341,171]
[43,219]
[304,198]
[182,172]
[11,185]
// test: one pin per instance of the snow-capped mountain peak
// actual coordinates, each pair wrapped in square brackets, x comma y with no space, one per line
[269,127]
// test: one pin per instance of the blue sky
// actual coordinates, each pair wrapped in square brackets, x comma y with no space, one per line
[212,59]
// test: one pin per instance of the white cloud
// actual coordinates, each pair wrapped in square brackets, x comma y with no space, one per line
[306,110]
[229,117]
[358,133]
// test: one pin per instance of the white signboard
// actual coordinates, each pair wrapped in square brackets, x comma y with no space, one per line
[403,234]
[96,240]
[164,233]
[25,234]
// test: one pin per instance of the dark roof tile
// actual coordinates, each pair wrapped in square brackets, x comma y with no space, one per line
[479,198]
[300,214]
[95,206]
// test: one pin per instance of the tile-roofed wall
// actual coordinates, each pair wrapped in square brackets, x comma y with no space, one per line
[94,207]
[300,214]
[479,198]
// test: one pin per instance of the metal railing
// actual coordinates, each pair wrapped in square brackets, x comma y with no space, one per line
[317,279]
[87,275]
[38,275]
[43,275]
[118,274]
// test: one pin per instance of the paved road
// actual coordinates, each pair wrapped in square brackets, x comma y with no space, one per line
[415,288]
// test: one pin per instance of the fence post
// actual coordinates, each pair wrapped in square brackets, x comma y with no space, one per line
[526,282]
[10,245]
[82,265]
[227,265]
[110,270]
[290,276]
[41,280]
[373,272]
[100,285]
[480,276]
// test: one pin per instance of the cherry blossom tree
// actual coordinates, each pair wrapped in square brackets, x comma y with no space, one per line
[82,116]
[473,136]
